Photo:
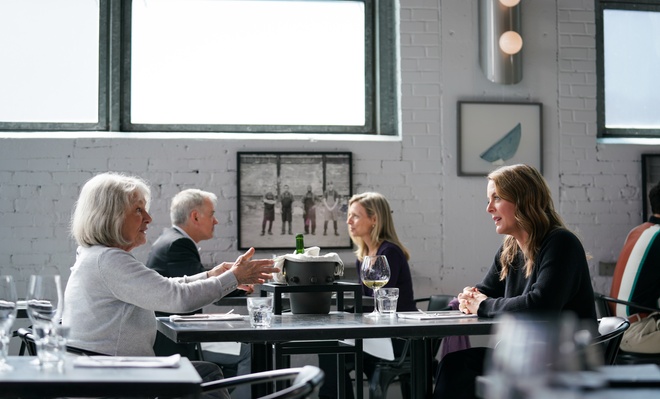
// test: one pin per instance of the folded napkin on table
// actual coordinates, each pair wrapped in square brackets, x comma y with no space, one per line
[127,361]
[311,254]
[206,317]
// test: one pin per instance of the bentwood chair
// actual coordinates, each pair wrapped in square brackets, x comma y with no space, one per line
[604,306]
[304,382]
[611,331]
[28,344]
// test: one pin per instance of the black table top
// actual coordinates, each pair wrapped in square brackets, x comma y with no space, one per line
[27,379]
[335,325]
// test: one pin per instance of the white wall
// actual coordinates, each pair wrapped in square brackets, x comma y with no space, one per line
[441,217]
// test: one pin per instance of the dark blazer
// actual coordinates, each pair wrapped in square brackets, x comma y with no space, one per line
[175,255]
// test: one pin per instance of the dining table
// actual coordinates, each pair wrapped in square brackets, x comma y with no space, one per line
[27,379]
[333,326]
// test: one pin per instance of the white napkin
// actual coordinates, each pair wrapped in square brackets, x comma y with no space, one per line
[229,348]
[379,347]
[127,361]
[311,254]
[205,317]
[441,314]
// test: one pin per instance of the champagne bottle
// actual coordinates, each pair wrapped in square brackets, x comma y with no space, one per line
[300,244]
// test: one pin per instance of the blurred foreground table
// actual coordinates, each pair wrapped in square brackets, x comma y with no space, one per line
[28,380]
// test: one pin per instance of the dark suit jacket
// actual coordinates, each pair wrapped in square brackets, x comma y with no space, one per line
[175,255]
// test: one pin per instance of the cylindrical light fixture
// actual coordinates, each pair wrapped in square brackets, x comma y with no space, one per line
[500,42]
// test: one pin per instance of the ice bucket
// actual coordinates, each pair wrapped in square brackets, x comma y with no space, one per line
[310,274]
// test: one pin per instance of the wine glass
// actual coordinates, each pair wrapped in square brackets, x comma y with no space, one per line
[375,273]
[7,317]
[44,301]
[534,352]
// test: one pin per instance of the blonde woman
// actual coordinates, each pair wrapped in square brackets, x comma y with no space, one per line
[371,228]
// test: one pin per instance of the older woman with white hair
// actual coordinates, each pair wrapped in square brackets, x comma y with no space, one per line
[111,297]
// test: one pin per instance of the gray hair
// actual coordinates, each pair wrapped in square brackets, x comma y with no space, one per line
[186,201]
[99,214]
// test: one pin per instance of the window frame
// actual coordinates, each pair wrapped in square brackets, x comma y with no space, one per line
[381,87]
[103,88]
[604,132]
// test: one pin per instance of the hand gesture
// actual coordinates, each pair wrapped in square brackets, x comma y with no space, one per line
[252,271]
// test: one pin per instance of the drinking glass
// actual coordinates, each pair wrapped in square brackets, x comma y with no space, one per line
[534,352]
[7,317]
[44,308]
[375,273]
[45,300]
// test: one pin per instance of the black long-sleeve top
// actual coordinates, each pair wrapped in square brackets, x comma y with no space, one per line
[560,281]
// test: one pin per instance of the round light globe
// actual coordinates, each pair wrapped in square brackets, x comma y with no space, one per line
[510,3]
[511,42]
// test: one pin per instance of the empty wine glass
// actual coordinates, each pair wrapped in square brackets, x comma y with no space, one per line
[375,273]
[44,301]
[7,317]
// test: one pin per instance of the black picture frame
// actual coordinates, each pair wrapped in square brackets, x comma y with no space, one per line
[493,134]
[650,177]
[259,173]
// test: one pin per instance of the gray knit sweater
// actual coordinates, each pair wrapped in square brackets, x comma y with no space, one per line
[110,299]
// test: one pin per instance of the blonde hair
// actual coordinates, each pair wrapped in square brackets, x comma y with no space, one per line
[375,204]
[99,213]
[535,213]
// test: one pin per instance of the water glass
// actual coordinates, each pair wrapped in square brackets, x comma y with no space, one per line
[532,351]
[260,309]
[51,345]
[387,300]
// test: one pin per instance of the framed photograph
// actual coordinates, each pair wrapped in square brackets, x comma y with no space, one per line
[282,194]
[492,134]
[650,177]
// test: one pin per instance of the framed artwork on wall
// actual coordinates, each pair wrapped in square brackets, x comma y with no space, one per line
[492,134]
[650,177]
[282,194]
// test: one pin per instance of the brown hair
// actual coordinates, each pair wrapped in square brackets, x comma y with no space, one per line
[535,213]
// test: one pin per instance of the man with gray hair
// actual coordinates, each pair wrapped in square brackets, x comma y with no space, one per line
[175,254]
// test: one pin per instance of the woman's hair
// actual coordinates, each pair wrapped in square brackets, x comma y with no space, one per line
[99,214]
[535,212]
[186,201]
[376,204]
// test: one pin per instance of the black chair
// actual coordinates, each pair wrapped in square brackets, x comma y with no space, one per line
[603,308]
[28,344]
[611,331]
[387,371]
[305,382]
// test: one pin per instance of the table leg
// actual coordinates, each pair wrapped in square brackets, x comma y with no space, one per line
[262,360]
[420,380]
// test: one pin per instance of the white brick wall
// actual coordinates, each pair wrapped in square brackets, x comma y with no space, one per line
[441,217]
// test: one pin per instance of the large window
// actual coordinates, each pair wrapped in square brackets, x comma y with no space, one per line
[628,51]
[301,66]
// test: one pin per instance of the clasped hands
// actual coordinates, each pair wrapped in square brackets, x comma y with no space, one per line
[469,300]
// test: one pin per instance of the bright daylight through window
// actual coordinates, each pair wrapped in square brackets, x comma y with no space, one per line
[248,62]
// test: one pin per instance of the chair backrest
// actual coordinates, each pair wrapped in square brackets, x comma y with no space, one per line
[440,302]
[28,342]
[611,331]
[306,381]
